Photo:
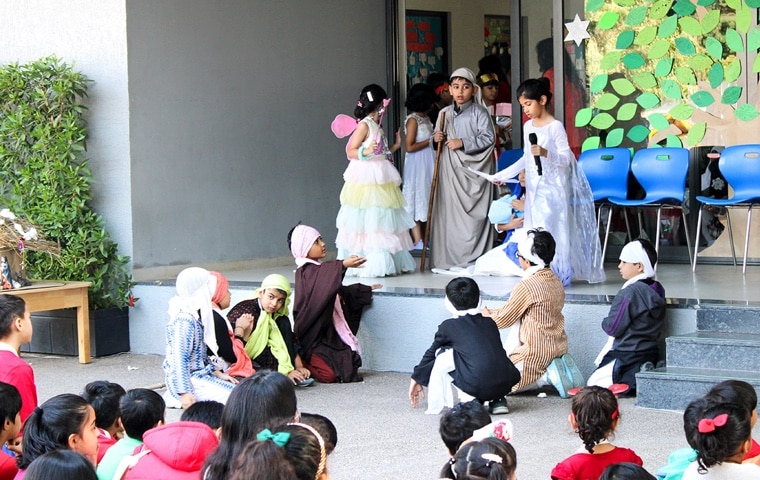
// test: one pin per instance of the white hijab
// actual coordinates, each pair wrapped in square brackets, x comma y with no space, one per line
[195,288]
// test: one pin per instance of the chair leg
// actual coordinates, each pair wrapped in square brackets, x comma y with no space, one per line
[686,234]
[657,237]
[607,234]
[696,239]
[731,234]
[627,224]
[746,239]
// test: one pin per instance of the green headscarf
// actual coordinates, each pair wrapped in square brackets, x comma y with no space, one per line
[266,332]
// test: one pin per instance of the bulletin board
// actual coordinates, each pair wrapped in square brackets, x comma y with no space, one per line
[427,47]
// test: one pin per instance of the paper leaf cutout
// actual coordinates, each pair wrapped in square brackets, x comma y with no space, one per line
[646,35]
[625,39]
[658,121]
[753,39]
[645,80]
[686,76]
[667,27]
[635,17]
[714,48]
[623,86]
[734,40]
[671,89]
[671,141]
[591,142]
[608,21]
[684,8]
[625,3]
[685,47]
[702,99]
[734,70]
[660,8]
[611,60]
[746,112]
[715,75]
[681,111]
[648,100]
[603,121]
[633,60]
[598,83]
[594,5]
[700,62]
[756,65]
[626,111]
[705,3]
[710,21]
[663,67]
[744,19]
[753,3]
[659,49]
[583,116]
[735,4]
[638,133]
[690,26]
[614,137]
[696,134]
[731,95]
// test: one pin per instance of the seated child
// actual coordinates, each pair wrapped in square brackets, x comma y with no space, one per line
[141,409]
[490,458]
[457,425]
[61,464]
[16,330]
[635,320]
[208,412]
[229,355]
[325,427]
[104,397]
[594,417]
[466,352]
[10,408]
[626,471]
[268,338]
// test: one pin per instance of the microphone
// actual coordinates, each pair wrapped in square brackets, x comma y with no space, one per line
[534,141]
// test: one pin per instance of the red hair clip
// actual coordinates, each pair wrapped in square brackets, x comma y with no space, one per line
[708,425]
[441,88]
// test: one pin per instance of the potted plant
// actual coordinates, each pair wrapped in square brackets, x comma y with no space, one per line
[45,178]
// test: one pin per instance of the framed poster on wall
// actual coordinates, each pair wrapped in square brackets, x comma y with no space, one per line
[427,47]
[496,32]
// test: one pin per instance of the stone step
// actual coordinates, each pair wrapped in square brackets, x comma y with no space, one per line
[728,318]
[672,388]
[714,350]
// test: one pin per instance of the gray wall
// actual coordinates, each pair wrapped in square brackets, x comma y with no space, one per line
[230,111]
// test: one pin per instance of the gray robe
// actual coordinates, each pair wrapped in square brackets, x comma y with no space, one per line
[460,230]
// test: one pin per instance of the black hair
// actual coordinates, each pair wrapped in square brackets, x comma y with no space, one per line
[544,245]
[370,99]
[141,410]
[50,425]
[325,427]
[483,83]
[10,402]
[534,89]
[459,422]
[735,391]
[104,397]
[11,308]
[420,98]
[721,442]
[61,465]
[626,471]
[290,233]
[260,399]
[436,79]
[545,58]
[463,293]
[492,64]
[649,249]
[208,412]
[595,410]
[491,458]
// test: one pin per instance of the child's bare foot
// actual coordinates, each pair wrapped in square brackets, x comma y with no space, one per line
[376,286]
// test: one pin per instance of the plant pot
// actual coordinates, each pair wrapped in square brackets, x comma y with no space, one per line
[55,332]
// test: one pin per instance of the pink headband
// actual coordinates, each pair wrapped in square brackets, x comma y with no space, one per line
[222,287]
[301,240]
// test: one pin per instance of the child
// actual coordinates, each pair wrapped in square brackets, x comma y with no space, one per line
[457,425]
[635,320]
[460,229]
[189,374]
[594,417]
[325,427]
[326,312]
[420,158]
[440,84]
[372,221]
[558,199]
[490,458]
[537,343]
[743,394]
[466,352]
[626,471]
[16,330]
[61,465]
[65,421]
[292,450]
[721,435]
[269,337]
[10,409]
[208,412]
[230,355]
[488,83]
[104,397]
[141,409]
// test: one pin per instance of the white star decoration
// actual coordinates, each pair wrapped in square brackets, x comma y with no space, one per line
[577,30]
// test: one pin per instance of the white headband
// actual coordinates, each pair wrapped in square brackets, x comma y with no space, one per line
[634,252]
[525,249]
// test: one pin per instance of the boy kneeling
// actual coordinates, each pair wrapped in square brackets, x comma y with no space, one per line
[467,352]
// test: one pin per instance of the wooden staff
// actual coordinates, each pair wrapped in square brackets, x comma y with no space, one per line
[433,187]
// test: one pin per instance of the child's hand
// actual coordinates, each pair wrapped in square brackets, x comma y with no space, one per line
[245,321]
[15,445]
[376,286]
[518,204]
[454,143]
[538,151]
[187,399]
[439,136]
[296,376]
[398,139]
[415,392]
[370,149]
[224,376]
[486,312]
[354,261]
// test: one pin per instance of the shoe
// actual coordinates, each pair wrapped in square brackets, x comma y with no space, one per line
[305,383]
[646,366]
[171,401]
[498,407]
[576,377]
[557,375]
[418,245]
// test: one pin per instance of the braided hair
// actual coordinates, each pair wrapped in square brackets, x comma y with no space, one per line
[595,411]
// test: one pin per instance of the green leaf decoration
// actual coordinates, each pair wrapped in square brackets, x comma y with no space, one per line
[594,5]
[671,141]
[690,26]
[714,48]
[663,67]
[646,35]
[602,121]
[734,40]
[668,27]
[633,60]
[744,19]
[684,8]
[635,17]
[685,47]
[608,21]
[682,111]
[702,99]
[583,116]
[734,70]
[598,83]
[753,39]
[614,137]
[627,111]
[591,142]
[705,3]
[638,133]
[686,76]
[645,80]
[734,4]
[731,95]
[715,75]
[623,86]
[648,100]
[756,65]
[696,134]
[671,89]
[746,112]
[700,62]
[753,3]
[710,21]
[607,101]
[625,3]
[611,60]
[660,8]
[659,49]
[625,39]
[658,121]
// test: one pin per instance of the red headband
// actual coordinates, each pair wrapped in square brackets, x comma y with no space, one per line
[441,88]
[708,425]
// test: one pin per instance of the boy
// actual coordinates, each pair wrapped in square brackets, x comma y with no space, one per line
[141,409]
[207,411]
[460,228]
[104,397]
[16,330]
[10,409]
[467,352]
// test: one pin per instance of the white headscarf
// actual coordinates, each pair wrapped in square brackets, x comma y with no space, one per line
[195,288]
[633,252]
[525,248]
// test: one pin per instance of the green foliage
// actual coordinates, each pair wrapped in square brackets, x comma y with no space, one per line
[44,177]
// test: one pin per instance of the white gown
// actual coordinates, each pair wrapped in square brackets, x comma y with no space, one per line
[418,171]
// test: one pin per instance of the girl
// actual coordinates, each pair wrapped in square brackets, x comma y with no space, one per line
[420,157]
[61,465]
[290,451]
[559,198]
[490,459]
[230,356]
[743,394]
[65,421]
[372,221]
[594,417]
[265,397]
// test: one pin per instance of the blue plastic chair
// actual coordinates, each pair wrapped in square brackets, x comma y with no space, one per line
[508,157]
[607,172]
[740,166]
[662,174]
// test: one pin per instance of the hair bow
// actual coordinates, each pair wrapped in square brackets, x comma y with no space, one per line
[708,425]
[491,458]
[280,438]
